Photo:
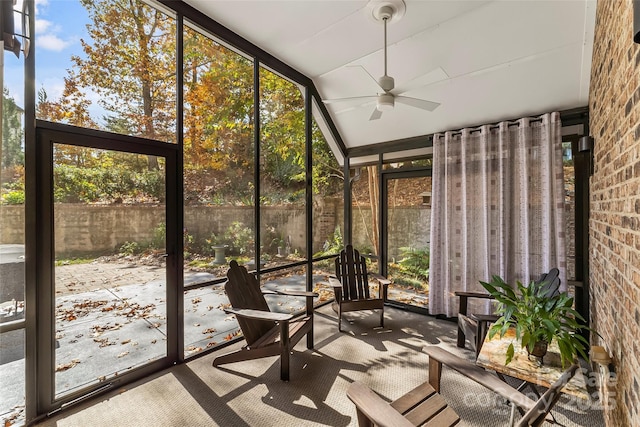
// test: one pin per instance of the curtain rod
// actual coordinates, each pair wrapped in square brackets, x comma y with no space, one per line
[494,126]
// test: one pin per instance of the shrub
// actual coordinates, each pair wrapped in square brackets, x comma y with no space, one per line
[131,248]
[13,198]
[73,184]
[152,183]
[332,245]
[415,262]
[239,238]
[159,236]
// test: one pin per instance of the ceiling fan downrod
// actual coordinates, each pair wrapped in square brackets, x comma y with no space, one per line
[386,82]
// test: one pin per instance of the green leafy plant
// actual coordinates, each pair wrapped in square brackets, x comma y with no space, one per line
[15,197]
[131,248]
[537,317]
[159,236]
[415,262]
[239,238]
[332,245]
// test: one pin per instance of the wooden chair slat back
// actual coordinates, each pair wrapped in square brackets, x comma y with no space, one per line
[551,282]
[351,270]
[243,291]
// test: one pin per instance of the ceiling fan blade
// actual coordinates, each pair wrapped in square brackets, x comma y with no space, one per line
[434,76]
[418,103]
[355,107]
[376,114]
[373,79]
[352,98]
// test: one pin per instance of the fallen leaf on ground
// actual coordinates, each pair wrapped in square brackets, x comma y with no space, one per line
[65,366]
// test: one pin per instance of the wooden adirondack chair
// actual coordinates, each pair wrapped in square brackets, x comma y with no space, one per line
[473,326]
[267,333]
[424,406]
[351,285]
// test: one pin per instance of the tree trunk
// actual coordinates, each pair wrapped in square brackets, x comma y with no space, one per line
[374,202]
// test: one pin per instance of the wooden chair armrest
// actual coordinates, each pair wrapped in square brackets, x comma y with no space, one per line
[383,280]
[297,293]
[484,317]
[477,374]
[374,408]
[260,314]
[473,294]
[334,283]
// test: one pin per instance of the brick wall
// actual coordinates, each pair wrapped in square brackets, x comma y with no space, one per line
[614,227]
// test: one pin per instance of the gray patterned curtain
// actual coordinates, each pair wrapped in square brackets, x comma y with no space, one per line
[498,208]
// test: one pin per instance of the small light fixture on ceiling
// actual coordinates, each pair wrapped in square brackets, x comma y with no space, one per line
[385,102]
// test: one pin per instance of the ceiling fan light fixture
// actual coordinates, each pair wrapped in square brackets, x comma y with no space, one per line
[385,102]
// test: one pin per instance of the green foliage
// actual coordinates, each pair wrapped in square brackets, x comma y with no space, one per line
[151,183]
[537,317]
[332,245]
[73,261]
[15,197]
[131,248]
[239,238]
[159,236]
[12,133]
[74,184]
[415,262]
[205,246]
[409,282]
[128,60]
[271,240]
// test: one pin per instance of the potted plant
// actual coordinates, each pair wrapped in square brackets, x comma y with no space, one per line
[537,319]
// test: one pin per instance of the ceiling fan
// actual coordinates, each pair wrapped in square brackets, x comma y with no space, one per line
[385,100]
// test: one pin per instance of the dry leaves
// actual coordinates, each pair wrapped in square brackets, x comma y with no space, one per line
[232,335]
[65,366]
[104,342]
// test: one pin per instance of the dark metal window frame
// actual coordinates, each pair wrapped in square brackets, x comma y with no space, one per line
[47,135]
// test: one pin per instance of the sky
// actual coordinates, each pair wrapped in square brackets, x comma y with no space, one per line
[59,27]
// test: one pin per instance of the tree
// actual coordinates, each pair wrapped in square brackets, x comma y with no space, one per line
[219,123]
[130,63]
[12,133]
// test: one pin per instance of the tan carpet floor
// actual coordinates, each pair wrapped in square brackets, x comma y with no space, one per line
[388,360]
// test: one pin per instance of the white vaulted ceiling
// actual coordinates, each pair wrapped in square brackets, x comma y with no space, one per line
[483,61]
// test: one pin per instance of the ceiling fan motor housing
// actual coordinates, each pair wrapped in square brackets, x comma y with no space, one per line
[386,83]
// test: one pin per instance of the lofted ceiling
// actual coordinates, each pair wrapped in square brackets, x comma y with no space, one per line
[482,61]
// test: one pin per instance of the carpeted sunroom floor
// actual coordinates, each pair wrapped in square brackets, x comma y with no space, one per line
[388,360]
